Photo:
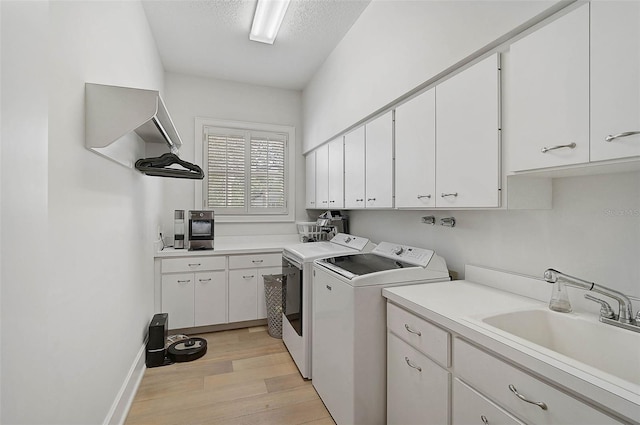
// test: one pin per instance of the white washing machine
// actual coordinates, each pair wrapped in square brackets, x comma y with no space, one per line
[349,325]
[297,264]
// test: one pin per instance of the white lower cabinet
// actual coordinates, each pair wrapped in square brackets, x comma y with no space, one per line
[525,396]
[203,291]
[246,284]
[471,407]
[434,378]
[194,291]
[417,388]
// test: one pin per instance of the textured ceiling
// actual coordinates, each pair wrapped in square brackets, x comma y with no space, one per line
[210,38]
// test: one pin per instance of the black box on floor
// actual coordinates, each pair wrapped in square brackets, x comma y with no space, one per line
[158,330]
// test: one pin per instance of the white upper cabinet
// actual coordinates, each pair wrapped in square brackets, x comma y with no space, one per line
[468,137]
[310,180]
[615,79]
[379,162]
[354,169]
[336,173]
[415,143]
[322,177]
[549,94]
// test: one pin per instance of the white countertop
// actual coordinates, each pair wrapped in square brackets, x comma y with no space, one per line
[453,306]
[227,245]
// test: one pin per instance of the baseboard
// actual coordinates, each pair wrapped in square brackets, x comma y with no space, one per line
[121,405]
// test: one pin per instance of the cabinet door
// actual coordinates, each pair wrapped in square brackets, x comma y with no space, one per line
[310,196]
[379,162]
[210,298]
[336,173]
[354,169]
[470,407]
[417,388]
[177,299]
[322,177]
[468,137]
[262,302]
[243,295]
[549,94]
[415,127]
[615,78]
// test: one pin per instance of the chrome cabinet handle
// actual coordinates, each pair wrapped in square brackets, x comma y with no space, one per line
[540,404]
[552,148]
[205,280]
[257,261]
[371,199]
[418,368]
[184,281]
[424,196]
[444,195]
[484,420]
[360,200]
[611,138]
[248,277]
[195,265]
[331,202]
[324,202]
[329,287]
[411,330]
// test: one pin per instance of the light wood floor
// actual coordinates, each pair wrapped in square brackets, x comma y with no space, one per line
[246,377]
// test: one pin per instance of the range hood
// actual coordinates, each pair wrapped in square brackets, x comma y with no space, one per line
[125,124]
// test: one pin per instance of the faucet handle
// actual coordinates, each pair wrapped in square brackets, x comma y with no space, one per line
[605,309]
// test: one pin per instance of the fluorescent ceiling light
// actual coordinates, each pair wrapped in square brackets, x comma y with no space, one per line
[267,20]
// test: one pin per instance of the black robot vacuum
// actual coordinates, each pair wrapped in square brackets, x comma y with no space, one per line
[187,350]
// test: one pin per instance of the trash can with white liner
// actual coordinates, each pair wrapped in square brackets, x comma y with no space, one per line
[275,290]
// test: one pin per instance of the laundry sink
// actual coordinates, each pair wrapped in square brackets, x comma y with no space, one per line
[578,337]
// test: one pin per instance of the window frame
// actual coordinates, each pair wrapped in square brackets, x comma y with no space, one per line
[201,123]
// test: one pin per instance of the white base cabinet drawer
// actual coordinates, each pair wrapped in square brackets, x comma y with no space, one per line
[470,407]
[417,388]
[428,338]
[193,264]
[498,380]
[254,260]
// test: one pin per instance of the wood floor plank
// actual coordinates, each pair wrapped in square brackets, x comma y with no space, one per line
[246,377]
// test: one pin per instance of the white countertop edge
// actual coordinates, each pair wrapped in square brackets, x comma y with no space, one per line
[230,245]
[451,315]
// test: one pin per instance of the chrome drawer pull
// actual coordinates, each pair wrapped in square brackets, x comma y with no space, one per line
[360,200]
[411,330]
[195,265]
[406,359]
[248,277]
[455,195]
[329,287]
[184,281]
[611,138]
[552,148]
[424,196]
[540,404]
[371,199]
[257,261]
[205,280]
[484,420]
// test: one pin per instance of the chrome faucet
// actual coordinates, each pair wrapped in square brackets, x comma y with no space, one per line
[624,318]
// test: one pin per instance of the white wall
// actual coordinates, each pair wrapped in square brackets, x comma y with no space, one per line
[189,97]
[77,229]
[394,47]
[593,232]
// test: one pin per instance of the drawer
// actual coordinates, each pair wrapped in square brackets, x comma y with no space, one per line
[471,407]
[190,264]
[426,337]
[492,377]
[255,260]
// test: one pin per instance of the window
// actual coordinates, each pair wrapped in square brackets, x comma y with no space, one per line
[246,169]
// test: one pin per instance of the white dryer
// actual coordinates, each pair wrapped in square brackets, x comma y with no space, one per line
[349,325]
